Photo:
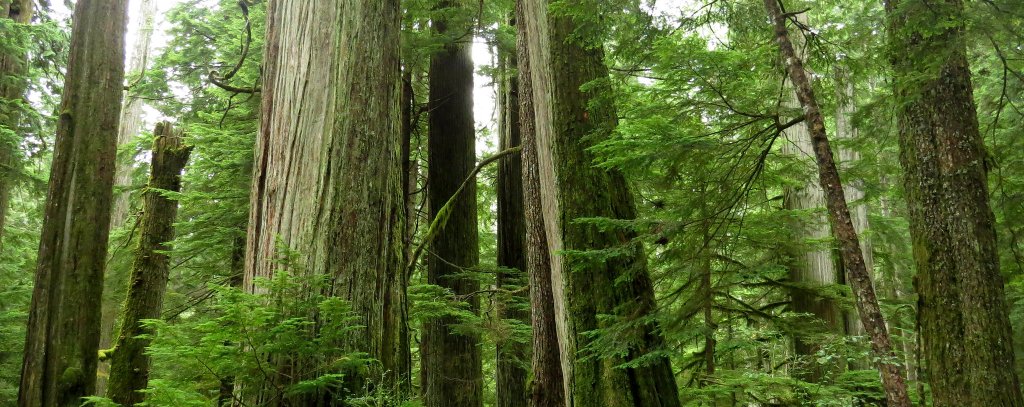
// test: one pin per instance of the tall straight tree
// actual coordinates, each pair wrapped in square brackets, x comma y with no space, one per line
[839,213]
[328,176]
[12,90]
[62,341]
[568,120]
[547,389]
[451,362]
[129,367]
[512,356]
[962,307]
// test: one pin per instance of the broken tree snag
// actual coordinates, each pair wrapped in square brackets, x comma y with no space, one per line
[839,216]
[129,366]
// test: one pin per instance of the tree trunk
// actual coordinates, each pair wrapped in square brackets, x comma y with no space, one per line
[839,215]
[512,356]
[328,176]
[547,388]
[568,121]
[129,365]
[116,278]
[62,342]
[12,89]
[451,362]
[962,308]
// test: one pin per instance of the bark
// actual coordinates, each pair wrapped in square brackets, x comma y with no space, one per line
[12,89]
[327,182]
[512,356]
[839,215]
[116,278]
[568,121]
[962,308]
[129,365]
[547,388]
[62,341]
[451,362]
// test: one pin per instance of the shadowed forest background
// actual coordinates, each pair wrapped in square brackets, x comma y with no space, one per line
[511,203]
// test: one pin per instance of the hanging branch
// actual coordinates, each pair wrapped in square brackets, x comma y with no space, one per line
[222,81]
[442,215]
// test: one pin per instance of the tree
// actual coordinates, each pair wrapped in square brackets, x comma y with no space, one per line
[512,355]
[451,371]
[12,91]
[839,215]
[328,178]
[599,273]
[962,309]
[129,367]
[62,341]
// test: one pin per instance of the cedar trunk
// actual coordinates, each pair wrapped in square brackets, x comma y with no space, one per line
[962,308]
[839,215]
[327,182]
[568,121]
[62,342]
[12,89]
[451,362]
[547,389]
[512,355]
[129,365]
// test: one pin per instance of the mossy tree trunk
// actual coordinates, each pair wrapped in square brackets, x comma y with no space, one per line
[129,365]
[13,68]
[115,278]
[585,285]
[962,308]
[547,387]
[62,342]
[451,373]
[513,356]
[839,215]
[327,182]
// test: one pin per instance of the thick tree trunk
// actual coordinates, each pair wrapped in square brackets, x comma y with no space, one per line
[328,176]
[839,215]
[962,309]
[567,124]
[12,90]
[115,279]
[129,365]
[512,356]
[547,388]
[62,343]
[451,362]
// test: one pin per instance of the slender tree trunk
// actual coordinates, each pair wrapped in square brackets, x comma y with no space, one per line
[129,365]
[62,343]
[512,356]
[451,362]
[327,181]
[116,278]
[839,214]
[962,308]
[547,388]
[226,392]
[568,121]
[12,90]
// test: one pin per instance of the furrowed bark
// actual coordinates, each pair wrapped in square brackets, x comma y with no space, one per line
[129,365]
[962,306]
[451,362]
[12,89]
[839,216]
[327,182]
[567,124]
[547,388]
[62,341]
